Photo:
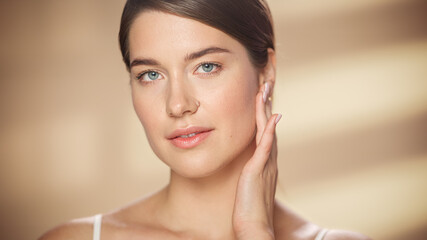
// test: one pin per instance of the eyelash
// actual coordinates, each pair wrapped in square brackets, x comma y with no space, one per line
[140,75]
[218,68]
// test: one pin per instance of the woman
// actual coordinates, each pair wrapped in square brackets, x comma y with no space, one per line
[202,76]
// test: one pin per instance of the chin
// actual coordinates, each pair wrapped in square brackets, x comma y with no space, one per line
[208,159]
[205,164]
[198,166]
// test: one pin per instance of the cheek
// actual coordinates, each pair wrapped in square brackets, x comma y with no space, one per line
[148,113]
[140,108]
[237,104]
[242,95]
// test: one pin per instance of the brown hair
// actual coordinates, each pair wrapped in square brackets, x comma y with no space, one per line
[248,21]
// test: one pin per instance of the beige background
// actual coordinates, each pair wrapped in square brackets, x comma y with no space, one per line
[352,85]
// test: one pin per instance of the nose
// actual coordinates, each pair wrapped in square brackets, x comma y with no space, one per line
[180,100]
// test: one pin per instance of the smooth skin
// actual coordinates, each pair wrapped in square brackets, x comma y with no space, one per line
[224,188]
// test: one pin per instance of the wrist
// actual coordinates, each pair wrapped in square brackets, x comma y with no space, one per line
[255,233]
[256,236]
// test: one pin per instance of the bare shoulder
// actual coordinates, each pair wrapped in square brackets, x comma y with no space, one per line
[134,219]
[289,225]
[75,229]
[345,235]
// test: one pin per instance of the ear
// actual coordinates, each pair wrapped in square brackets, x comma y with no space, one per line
[268,73]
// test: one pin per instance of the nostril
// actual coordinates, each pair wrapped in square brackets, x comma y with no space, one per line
[189,105]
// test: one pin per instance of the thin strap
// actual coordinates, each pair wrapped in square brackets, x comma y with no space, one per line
[321,234]
[97,227]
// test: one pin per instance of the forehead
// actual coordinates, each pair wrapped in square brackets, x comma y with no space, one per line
[155,33]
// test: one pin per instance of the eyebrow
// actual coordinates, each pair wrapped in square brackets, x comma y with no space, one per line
[189,57]
[205,51]
[145,61]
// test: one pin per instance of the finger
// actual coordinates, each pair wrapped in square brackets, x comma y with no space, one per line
[269,106]
[263,150]
[261,117]
[269,101]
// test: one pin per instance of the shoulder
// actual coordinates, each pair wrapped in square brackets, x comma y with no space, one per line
[345,235]
[289,225]
[81,228]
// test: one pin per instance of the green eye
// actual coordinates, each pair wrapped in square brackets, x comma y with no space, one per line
[149,76]
[207,67]
[153,75]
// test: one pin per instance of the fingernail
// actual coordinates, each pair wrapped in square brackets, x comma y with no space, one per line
[279,116]
[265,94]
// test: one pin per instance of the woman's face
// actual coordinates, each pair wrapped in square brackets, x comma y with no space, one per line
[193,89]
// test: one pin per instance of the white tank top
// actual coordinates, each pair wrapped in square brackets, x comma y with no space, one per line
[98,220]
[97,227]
[321,234]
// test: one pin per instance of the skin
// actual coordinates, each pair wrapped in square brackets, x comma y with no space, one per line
[223,188]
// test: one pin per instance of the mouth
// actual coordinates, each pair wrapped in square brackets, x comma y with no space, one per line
[189,137]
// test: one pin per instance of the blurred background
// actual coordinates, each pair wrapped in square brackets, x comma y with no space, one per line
[352,85]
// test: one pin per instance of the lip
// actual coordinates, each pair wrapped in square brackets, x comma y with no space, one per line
[201,134]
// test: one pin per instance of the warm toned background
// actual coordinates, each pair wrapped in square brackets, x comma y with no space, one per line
[352,84]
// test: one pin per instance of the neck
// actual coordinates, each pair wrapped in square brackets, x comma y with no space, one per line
[204,206]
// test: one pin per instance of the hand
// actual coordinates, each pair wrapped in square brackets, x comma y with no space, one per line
[254,204]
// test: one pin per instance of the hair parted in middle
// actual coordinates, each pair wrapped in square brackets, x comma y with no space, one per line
[247,21]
